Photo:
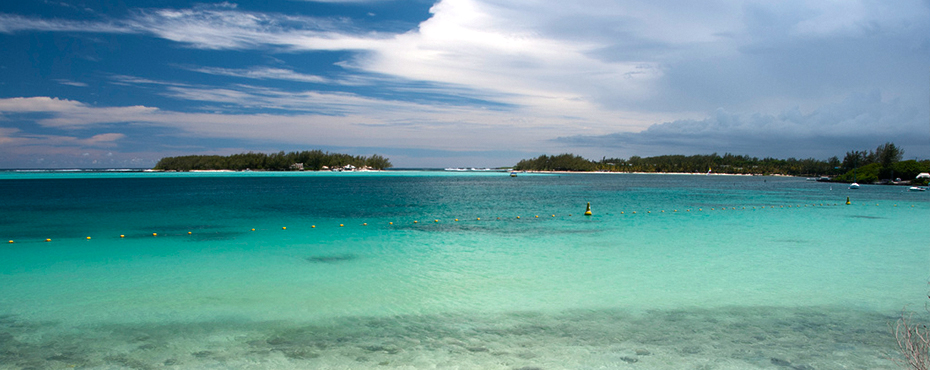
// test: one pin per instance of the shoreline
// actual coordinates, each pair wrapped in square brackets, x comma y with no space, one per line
[655,173]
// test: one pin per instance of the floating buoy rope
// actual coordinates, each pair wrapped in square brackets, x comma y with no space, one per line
[587,212]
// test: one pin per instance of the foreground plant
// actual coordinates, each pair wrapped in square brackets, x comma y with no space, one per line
[914,343]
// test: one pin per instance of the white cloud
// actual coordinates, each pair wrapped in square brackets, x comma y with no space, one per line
[15,23]
[594,71]
[361,123]
[71,83]
[262,73]
[102,139]
[72,114]
[861,121]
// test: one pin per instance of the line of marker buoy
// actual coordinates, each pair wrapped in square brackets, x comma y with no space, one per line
[587,212]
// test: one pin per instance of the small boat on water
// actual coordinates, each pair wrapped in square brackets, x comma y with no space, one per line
[854,185]
[513,174]
[916,188]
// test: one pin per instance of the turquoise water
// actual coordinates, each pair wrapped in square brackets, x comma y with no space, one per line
[372,270]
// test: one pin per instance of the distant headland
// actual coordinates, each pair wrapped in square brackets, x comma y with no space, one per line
[311,160]
[882,165]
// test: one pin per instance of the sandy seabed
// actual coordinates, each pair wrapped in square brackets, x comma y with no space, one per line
[729,338]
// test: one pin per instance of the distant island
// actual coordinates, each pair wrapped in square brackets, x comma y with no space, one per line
[312,160]
[882,165]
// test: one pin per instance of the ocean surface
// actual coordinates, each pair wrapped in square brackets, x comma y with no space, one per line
[427,270]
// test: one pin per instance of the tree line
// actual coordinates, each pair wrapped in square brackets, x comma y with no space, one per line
[867,166]
[313,160]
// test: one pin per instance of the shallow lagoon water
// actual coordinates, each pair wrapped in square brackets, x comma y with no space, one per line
[671,272]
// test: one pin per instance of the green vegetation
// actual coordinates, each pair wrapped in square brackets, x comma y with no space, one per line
[313,160]
[562,162]
[884,163]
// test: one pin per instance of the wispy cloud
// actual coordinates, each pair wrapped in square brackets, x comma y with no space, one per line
[72,114]
[629,57]
[400,125]
[10,23]
[261,73]
[597,75]
[71,83]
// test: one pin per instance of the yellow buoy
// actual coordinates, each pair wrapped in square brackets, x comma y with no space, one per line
[847,200]
[435,220]
[253,229]
[154,234]
[313,226]
[414,221]
[365,224]
[48,240]
[284,228]
[390,223]
[587,211]
[537,216]
[518,216]
[88,238]
[456,220]
[341,225]
[188,233]
[479,218]
[123,236]
[11,242]
[553,215]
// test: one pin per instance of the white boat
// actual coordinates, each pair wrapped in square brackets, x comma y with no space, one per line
[513,174]
[916,188]
[854,185]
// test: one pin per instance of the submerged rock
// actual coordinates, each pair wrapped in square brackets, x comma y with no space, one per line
[336,258]
[629,360]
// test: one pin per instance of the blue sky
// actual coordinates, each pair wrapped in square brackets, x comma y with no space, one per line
[459,82]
